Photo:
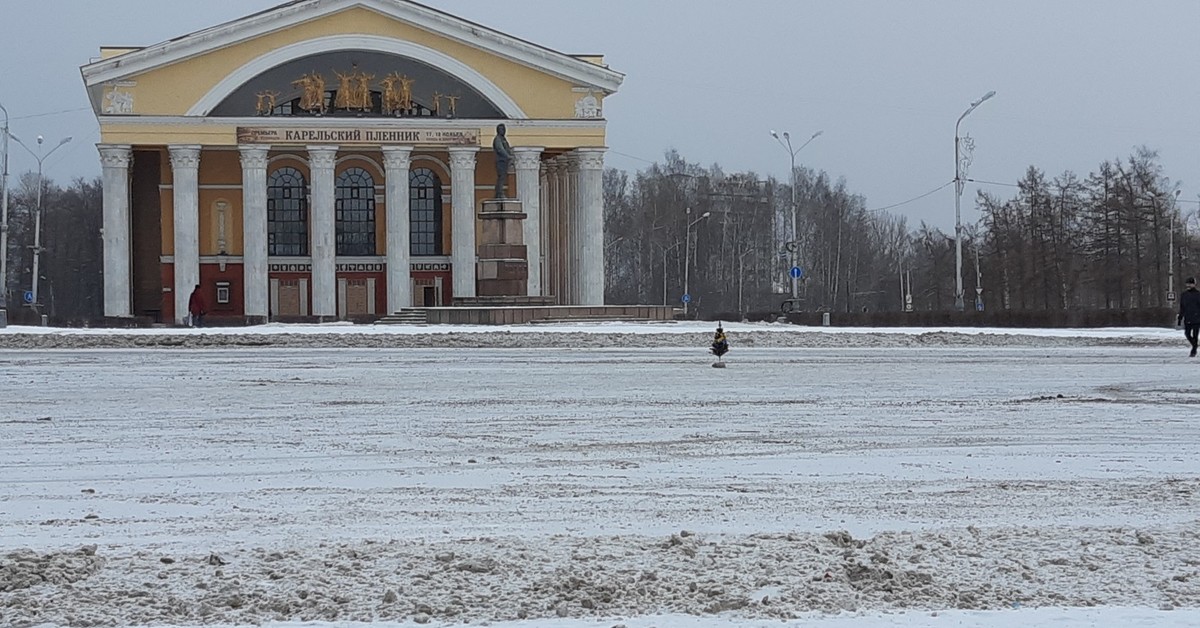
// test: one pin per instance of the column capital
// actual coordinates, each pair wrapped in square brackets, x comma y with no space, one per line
[397,157]
[322,156]
[590,158]
[184,156]
[463,157]
[527,157]
[115,155]
[254,156]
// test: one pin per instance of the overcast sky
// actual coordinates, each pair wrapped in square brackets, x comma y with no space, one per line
[1077,81]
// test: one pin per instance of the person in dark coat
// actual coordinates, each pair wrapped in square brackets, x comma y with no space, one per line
[196,307]
[1189,313]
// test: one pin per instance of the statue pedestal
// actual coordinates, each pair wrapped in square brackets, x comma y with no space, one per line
[502,269]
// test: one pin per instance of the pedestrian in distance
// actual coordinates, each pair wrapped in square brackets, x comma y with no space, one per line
[196,307]
[1189,313]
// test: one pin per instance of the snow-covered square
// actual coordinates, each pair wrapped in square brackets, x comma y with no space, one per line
[990,485]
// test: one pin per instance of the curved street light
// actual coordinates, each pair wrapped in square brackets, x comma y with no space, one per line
[37,222]
[687,238]
[793,244]
[958,190]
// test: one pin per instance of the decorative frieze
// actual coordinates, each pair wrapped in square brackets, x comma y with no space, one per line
[291,268]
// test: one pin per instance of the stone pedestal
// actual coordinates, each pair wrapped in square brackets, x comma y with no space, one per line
[502,269]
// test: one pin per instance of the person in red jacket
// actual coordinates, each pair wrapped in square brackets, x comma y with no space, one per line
[196,307]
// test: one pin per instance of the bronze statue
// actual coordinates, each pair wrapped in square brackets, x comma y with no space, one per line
[437,104]
[390,99]
[345,92]
[267,102]
[504,157]
[318,93]
[406,85]
[362,91]
[452,105]
[313,86]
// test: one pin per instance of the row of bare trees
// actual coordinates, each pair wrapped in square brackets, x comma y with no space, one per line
[1108,241]
[1104,241]
[71,267]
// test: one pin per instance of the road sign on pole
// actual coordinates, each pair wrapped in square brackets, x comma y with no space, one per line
[687,298]
[28,296]
[797,272]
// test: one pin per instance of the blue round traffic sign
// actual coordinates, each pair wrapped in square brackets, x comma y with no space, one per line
[687,298]
[797,272]
[29,296]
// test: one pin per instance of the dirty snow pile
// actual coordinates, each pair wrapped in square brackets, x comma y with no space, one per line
[572,336]
[765,576]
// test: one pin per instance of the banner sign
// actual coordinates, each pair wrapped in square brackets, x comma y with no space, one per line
[401,137]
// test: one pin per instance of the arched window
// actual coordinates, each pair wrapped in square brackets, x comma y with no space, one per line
[287,213]
[355,211]
[425,212]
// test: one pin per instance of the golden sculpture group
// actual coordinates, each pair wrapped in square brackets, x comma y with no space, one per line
[354,94]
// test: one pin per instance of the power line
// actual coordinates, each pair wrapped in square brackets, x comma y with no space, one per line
[916,198]
[617,152]
[52,113]
[1010,185]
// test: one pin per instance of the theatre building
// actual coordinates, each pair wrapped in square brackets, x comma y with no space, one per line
[333,159]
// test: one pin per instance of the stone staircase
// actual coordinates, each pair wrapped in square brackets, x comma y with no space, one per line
[406,316]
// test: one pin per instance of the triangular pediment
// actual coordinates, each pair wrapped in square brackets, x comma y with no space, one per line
[578,72]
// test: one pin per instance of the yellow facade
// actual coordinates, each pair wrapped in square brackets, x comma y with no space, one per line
[178,96]
[172,90]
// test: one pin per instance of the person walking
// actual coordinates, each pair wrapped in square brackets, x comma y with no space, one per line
[1189,313]
[196,307]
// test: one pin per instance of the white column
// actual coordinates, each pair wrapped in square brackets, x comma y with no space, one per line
[255,285]
[562,225]
[545,225]
[553,241]
[462,227]
[115,162]
[529,190]
[571,198]
[396,161]
[321,161]
[185,178]
[590,210]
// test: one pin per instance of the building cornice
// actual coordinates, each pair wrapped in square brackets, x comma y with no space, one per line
[349,123]
[567,67]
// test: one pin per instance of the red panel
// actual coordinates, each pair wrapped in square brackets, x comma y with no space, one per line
[210,275]
[168,298]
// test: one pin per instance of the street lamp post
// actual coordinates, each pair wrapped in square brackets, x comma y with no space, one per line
[1171,249]
[978,280]
[794,244]
[958,190]
[37,213]
[687,246]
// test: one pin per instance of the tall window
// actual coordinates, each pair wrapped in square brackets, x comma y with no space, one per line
[287,213]
[425,212]
[355,207]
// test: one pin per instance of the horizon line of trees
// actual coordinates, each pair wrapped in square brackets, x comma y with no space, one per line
[1104,241]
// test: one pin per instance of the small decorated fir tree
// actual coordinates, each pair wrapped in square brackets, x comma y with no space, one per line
[720,344]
